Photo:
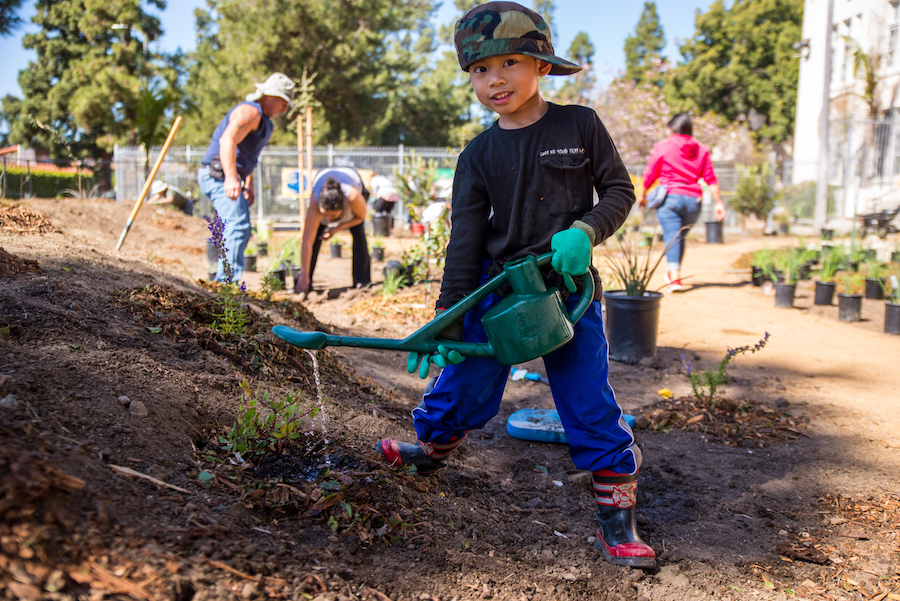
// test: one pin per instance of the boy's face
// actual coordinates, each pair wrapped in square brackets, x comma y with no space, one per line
[508,84]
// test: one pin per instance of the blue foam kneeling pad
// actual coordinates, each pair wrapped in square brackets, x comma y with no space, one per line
[541,425]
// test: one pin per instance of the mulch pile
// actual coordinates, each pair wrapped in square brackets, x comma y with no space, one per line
[11,265]
[21,220]
[745,423]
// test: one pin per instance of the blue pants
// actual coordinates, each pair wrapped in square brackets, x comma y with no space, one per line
[677,212]
[236,215]
[468,394]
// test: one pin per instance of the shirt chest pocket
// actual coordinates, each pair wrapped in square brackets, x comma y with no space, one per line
[567,184]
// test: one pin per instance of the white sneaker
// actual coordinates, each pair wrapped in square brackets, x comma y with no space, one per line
[674,285]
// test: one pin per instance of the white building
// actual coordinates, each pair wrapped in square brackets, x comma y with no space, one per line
[864,154]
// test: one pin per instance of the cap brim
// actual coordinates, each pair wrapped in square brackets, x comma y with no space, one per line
[558,66]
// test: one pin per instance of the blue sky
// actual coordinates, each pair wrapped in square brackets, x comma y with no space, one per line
[607,23]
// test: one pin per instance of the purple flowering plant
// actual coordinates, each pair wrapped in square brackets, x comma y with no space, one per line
[705,384]
[233,318]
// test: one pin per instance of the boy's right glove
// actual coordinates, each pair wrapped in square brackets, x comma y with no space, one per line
[572,252]
[444,356]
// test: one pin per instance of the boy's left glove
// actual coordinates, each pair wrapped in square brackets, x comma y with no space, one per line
[572,252]
[444,356]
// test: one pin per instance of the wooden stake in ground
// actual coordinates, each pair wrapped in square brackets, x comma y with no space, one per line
[301,184]
[149,181]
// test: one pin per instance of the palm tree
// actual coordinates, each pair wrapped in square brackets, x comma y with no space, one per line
[157,108]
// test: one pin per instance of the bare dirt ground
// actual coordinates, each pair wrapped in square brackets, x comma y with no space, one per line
[788,490]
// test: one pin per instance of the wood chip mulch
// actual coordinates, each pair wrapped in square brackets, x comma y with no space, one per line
[11,265]
[22,220]
[744,423]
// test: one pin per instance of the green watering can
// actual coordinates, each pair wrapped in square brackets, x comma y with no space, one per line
[528,323]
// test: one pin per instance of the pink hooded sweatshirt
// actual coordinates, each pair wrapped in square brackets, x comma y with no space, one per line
[679,162]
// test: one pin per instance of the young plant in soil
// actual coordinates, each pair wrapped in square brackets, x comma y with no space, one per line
[266,425]
[233,318]
[705,385]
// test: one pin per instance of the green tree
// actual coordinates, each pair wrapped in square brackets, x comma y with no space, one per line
[577,88]
[9,20]
[741,65]
[371,59]
[81,94]
[646,45]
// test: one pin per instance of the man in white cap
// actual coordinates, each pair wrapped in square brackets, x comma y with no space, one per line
[225,175]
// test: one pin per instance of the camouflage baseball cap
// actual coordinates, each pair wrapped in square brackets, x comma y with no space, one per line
[498,28]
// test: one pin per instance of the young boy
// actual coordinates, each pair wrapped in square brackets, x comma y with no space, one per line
[525,187]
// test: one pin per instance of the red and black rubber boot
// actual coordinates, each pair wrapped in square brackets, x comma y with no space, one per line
[617,537]
[426,457]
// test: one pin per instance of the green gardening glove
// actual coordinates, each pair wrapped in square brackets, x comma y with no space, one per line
[444,356]
[571,252]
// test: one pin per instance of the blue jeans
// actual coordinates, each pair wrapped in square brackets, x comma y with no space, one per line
[678,211]
[236,215]
[467,395]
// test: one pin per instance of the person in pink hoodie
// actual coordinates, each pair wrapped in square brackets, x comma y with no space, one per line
[679,162]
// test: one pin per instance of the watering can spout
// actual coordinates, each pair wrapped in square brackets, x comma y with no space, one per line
[310,340]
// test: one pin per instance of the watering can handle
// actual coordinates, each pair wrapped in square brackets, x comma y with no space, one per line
[587,293]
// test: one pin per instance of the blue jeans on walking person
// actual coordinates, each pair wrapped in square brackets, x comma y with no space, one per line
[236,215]
[678,211]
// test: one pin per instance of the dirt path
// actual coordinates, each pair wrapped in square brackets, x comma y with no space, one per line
[809,512]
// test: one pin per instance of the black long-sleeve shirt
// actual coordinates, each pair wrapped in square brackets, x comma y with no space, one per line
[514,189]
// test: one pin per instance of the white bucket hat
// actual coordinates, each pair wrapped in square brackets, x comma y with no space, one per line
[279,85]
[158,187]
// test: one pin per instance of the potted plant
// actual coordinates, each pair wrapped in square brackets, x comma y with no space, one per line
[850,286]
[336,249]
[892,308]
[264,230]
[632,313]
[378,250]
[876,275]
[789,264]
[825,286]
[762,266]
[250,257]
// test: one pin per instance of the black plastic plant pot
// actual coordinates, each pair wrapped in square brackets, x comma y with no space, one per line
[262,249]
[874,290]
[211,276]
[849,307]
[891,318]
[378,253]
[249,262]
[895,256]
[869,254]
[757,277]
[714,232]
[784,295]
[631,325]
[824,293]
[827,234]
[335,251]
[280,274]
[381,224]
[295,272]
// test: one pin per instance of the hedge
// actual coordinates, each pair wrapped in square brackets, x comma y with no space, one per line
[44,184]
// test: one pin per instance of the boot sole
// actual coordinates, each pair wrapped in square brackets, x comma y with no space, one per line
[628,562]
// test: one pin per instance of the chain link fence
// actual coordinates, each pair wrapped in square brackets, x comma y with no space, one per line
[276,181]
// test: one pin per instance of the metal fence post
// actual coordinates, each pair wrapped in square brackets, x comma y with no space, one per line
[400,159]
[331,155]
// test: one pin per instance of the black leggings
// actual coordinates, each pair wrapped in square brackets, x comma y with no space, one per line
[362,263]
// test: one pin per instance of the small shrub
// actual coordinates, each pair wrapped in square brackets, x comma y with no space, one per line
[266,425]
[755,194]
[705,385]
